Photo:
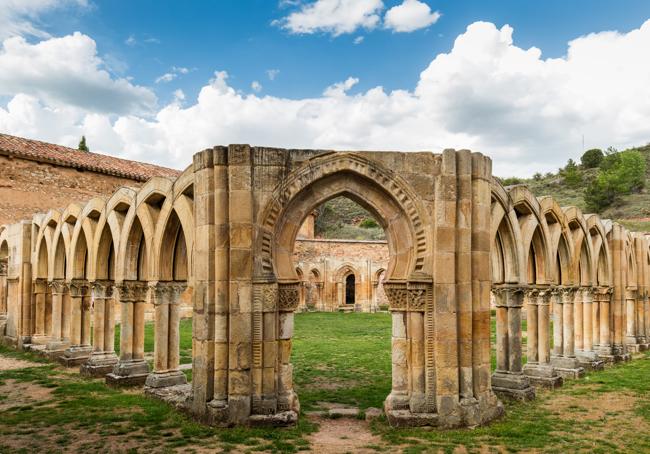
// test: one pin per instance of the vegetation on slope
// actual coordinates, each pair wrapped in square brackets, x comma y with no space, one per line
[611,183]
[341,218]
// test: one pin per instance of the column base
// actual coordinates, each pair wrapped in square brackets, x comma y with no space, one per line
[3,324]
[633,348]
[99,364]
[178,396]
[75,355]
[543,376]
[35,348]
[40,339]
[165,379]
[55,348]
[590,361]
[128,373]
[514,386]
[568,368]
[468,412]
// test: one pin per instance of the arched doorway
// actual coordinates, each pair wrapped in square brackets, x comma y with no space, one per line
[350,289]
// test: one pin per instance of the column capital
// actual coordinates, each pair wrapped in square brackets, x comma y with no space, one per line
[78,287]
[167,292]
[102,289]
[58,286]
[568,294]
[630,293]
[509,296]
[132,291]
[408,295]
[4,267]
[40,285]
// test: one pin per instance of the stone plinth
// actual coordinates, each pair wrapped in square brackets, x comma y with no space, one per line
[99,364]
[128,373]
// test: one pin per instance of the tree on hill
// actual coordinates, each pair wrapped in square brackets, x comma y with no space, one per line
[620,173]
[592,158]
[82,144]
[571,174]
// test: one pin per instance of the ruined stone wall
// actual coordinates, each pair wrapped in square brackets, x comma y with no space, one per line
[28,187]
[323,266]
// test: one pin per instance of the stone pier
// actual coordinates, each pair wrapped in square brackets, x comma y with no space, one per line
[103,358]
[80,347]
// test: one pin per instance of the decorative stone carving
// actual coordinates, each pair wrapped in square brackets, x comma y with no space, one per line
[58,286]
[288,296]
[102,289]
[4,266]
[167,292]
[78,288]
[397,295]
[132,291]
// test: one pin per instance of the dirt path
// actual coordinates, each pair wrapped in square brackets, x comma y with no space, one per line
[337,436]
[7,363]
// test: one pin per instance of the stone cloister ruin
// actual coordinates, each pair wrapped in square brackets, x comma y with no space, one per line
[223,235]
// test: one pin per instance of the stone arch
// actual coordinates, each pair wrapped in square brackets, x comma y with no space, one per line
[43,247]
[561,248]
[60,259]
[601,258]
[506,255]
[385,195]
[631,280]
[81,264]
[582,259]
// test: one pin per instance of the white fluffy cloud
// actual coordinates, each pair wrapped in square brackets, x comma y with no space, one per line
[333,16]
[487,94]
[409,16]
[20,17]
[67,71]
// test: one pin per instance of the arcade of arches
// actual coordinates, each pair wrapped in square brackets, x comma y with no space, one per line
[223,235]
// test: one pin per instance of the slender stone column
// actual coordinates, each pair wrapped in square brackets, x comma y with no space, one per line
[58,343]
[79,350]
[558,321]
[630,320]
[587,354]
[642,327]
[131,369]
[578,323]
[103,358]
[564,359]
[595,318]
[605,349]
[166,300]
[509,380]
[538,367]
[3,296]
[398,398]
[38,334]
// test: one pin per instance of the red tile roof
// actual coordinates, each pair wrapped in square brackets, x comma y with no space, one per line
[36,150]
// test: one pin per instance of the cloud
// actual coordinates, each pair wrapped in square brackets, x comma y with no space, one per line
[358,40]
[272,73]
[411,15]
[68,71]
[131,41]
[21,17]
[256,86]
[486,94]
[335,17]
[167,77]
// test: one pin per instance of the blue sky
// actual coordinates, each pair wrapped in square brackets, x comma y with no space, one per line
[137,77]
[237,36]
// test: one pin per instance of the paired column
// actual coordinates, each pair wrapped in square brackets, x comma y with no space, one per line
[39,301]
[564,311]
[79,349]
[538,367]
[3,295]
[166,300]
[586,353]
[632,320]
[509,380]
[604,345]
[60,338]
[131,369]
[103,357]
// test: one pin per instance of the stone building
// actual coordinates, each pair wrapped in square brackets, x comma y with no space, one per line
[340,275]
[226,229]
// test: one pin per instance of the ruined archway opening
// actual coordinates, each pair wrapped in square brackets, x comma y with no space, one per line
[342,328]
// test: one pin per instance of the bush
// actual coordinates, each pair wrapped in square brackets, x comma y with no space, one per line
[511,181]
[537,176]
[620,173]
[592,158]
[571,174]
[368,223]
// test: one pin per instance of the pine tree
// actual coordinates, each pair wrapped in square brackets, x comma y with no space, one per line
[82,144]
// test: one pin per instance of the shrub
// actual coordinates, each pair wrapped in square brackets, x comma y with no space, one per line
[368,223]
[571,174]
[537,176]
[511,181]
[620,173]
[592,158]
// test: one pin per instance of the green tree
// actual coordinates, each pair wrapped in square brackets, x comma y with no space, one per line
[82,144]
[571,174]
[620,174]
[592,158]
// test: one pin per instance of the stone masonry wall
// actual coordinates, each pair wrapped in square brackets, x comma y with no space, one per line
[28,187]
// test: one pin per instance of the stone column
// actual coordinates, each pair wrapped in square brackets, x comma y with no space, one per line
[558,334]
[3,295]
[538,367]
[595,318]
[631,340]
[604,348]
[642,327]
[79,350]
[587,355]
[103,358]
[166,300]
[38,334]
[509,380]
[131,369]
[287,399]
[58,343]
[566,364]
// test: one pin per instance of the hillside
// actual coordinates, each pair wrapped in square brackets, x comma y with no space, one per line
[631,210]
[341,218]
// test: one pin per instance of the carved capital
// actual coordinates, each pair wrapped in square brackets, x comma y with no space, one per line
[102,289]
[58,286]
[408,295]
[568,295]
[288,296]
[265,297]
[4,267]
[132,291]
[397,295]
[630,293]
[78,288]
[167,292]
[507,296]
